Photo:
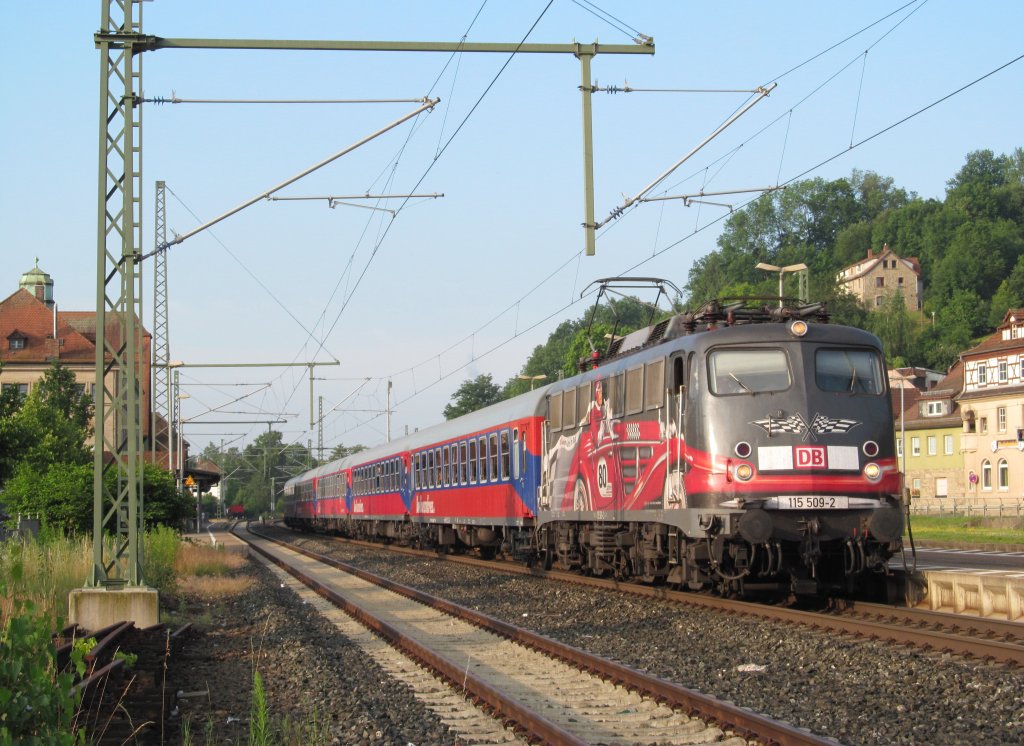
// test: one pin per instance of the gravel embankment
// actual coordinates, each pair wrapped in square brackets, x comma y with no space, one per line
[856,691]
[319,687]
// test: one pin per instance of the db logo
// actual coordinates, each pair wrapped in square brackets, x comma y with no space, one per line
[810,457]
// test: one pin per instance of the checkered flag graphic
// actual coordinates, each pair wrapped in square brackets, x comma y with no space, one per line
[794,424]
[823,425]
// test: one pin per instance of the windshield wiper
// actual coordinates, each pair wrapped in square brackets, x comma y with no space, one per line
[745,387]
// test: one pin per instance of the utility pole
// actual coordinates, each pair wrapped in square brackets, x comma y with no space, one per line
[320,430]
[161,335]
[121,43]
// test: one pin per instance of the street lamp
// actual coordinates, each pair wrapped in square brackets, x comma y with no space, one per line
[782,271]
[532,379]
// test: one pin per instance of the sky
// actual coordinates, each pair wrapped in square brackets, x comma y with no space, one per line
[469,283]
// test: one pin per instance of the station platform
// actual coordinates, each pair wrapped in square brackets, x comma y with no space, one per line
[998,594]
[218,534]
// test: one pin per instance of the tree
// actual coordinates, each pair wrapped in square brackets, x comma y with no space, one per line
[892,324]
[473,394]
[164,504]
[60,493]
[341,451]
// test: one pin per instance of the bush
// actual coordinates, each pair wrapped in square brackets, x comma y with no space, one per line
[160,552]
[36,701]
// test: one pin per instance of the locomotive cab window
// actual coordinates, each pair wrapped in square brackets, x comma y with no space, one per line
[748,371]
[850,371]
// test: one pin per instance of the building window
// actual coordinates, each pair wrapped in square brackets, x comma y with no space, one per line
[879,282]
[983,424]
[986,475]
[947,445]
[1002,371]
[935,408]
[899,447]
[1001,413]
[899,281]
[878,300]
[21,388]
[917,487]
[932,445]
[982,374]
[17,343]
[1004,475]
[915,446]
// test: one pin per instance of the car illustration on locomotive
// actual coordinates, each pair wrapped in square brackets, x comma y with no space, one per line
[741,448]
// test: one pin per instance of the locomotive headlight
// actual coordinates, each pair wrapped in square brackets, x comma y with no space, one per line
[873,472]
[798,328]
[744,472]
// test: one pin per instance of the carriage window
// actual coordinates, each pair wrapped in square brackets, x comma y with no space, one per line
[494,456]
[747,371]
[852,371]
[584,396]
[483,459]
[569,420]
[446,457]
[506,454]
[462,463]
[635,390]
[555,411]
[655,385]
[437,468]
[515,453]
[472,462]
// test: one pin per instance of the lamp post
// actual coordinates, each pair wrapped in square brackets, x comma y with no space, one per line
[782,271]
[532,379]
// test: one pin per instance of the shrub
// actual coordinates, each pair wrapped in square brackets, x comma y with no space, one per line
[37,705]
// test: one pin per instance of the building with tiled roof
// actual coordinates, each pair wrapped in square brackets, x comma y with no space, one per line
[929,432]
[992,410]
[873,278]
[34,334]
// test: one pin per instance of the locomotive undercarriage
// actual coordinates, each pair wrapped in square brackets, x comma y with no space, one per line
[726,564]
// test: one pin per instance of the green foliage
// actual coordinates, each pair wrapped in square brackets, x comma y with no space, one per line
[473,394]
[37,705]
[259,716]
[60,492]
[341,451]
[970,248]
[160,550]
[893,325]
[585,343]
[164,505]
[251,472]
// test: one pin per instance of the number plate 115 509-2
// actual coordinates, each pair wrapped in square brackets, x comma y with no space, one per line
[808,502]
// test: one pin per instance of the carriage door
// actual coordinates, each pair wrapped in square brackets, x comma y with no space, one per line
[675,429]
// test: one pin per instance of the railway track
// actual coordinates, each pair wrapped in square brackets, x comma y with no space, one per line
[994,640]
[552,692]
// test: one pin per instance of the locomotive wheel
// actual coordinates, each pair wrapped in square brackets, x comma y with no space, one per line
[580,497]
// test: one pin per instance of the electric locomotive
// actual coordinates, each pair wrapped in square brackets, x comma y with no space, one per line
[742,449]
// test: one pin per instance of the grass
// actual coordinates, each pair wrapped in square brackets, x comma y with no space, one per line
[44,573]
[967,531]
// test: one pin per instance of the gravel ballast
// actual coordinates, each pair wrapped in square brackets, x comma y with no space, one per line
[856,691]
[318,685]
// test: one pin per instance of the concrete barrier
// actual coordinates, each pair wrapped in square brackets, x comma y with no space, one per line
[987,593]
